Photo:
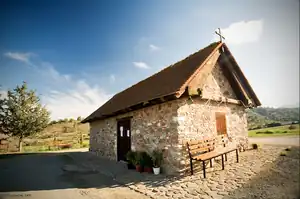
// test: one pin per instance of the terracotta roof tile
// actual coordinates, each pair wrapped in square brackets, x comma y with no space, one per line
[166,82]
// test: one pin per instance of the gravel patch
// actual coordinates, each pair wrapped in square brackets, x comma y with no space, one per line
[261,173]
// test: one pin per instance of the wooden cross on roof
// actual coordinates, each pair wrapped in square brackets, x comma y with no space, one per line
[220,34]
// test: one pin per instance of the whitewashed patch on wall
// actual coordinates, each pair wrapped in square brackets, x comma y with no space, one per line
[121,131]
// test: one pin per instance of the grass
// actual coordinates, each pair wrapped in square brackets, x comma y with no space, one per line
[62,134]
[37,148]
[275,131]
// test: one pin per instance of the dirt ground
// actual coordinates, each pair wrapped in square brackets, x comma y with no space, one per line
[42,175]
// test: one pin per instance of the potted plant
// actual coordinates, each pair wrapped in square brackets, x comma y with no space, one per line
[138,161]
[147,162]
[130,156]
[157,158]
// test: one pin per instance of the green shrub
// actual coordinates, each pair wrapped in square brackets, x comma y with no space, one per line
[146,159]
[255,146]
[157,158]
[85,145]
[283,153]
[130,157]
[269,132]
[292,127]
[52,122]
[264,132]
[65,129]
[71,120]
[138,158]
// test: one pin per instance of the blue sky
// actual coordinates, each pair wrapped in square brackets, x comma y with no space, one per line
[77,54]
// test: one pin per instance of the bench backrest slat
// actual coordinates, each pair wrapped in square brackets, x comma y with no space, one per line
[196,147]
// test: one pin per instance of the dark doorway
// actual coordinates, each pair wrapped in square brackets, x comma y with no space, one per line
[123,138]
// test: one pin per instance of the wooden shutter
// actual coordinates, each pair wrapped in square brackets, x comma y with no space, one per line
[221,123]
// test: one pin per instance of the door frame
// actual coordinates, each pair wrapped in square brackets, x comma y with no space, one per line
[118,141]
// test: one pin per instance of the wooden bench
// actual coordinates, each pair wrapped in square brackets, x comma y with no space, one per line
[203,150]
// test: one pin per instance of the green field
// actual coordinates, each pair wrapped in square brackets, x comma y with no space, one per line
[275,131]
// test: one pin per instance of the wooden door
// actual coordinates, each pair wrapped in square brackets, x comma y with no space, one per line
[123,138]
[221,123]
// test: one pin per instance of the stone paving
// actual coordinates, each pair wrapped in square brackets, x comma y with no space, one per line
[260,173]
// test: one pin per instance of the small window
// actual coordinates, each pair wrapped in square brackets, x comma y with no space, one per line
[221,123]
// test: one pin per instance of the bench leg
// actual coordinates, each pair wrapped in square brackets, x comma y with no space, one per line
[204,174]
[237,155]
[225,156]
[191,164]
[222,162]
[210,162]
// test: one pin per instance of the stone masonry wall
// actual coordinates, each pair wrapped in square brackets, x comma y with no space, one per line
[151,127]
[197,120]
[216,85]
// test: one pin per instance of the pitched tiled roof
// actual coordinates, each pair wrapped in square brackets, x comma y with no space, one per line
[169,81]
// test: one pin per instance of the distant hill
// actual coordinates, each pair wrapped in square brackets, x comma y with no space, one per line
[260,117]
[291,105]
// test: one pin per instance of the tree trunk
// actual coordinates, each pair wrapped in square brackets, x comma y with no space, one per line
[81,138]
[20,144]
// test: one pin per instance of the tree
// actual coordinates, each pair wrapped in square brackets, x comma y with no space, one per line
[53,122]
[21,114]
[60,121]
[79,118]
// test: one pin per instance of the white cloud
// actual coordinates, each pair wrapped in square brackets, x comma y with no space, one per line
[66,96]
[78,99]
[112,78]
[23,57]
[3,94]
[153,47]
[242,32]
[141,65]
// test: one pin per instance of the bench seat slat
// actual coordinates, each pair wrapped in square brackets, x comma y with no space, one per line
[200,149]
[207,156]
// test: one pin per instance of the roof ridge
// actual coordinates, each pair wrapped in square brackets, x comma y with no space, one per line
[214,43]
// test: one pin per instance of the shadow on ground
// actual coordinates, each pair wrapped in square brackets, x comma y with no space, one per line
[278,179]
[46,171]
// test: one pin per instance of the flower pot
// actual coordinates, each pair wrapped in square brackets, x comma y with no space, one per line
[148,169]
[156,171]
[138,168]
[130,166]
